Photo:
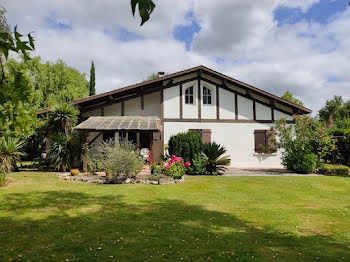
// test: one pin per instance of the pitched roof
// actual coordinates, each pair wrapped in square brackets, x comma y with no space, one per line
[183,72]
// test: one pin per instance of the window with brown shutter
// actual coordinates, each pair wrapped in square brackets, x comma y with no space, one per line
[204,133]
[264,141]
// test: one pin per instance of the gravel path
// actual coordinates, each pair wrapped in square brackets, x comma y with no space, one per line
[262,172]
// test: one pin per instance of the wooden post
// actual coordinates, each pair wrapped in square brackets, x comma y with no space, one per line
[85,134]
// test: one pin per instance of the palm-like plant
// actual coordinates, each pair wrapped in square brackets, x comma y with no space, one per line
[217,163]
[63,149]
[11,150]
[63,117]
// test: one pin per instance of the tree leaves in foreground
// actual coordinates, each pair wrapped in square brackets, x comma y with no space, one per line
[146,7]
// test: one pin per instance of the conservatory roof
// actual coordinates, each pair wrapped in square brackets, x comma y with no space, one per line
[115,123]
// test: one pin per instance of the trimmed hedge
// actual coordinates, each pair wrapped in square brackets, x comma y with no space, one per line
[186,145]
[335,170]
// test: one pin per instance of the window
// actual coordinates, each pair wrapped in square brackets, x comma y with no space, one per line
[206,96]
[189,95]
[264,141]
[108,136]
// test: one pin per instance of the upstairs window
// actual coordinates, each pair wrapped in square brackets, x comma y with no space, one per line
[206,96]
[189,95]
[264,141]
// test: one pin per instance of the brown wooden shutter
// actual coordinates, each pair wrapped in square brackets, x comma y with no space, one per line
[259,140]
[206,136]
[204,133]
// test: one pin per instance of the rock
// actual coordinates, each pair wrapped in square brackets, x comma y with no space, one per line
[101,173]
[154,182]
[127,181]
[166,181]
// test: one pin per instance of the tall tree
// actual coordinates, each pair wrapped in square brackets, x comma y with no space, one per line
[92,79]
[335,109]
[289,97]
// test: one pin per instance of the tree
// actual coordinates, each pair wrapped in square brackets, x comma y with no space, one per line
[289,97]
[335,109]
[152,77]
[63,117]
[92,79]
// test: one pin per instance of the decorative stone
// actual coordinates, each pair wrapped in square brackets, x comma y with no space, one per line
[166,181]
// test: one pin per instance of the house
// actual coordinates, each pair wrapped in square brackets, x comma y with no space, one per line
[220,108]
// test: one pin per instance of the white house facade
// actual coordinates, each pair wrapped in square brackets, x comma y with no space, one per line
[220,108]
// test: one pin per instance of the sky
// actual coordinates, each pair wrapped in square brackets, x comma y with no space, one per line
[301,46]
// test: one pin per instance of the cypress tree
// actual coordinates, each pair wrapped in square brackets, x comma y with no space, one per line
[92,79]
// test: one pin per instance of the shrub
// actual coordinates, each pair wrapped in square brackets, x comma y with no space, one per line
[176,167]
[156,169]
[11,150]
[298,158]
[217,163]
[120,159]
[303,144]
[200,163]
[335,170]
[187,145]
[94,165]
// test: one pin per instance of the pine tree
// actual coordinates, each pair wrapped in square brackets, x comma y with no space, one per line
[92,79]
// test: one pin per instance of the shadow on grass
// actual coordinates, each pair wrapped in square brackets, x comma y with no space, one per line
[79,227]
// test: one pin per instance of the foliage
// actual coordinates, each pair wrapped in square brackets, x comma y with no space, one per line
[217,163]
[187,145]
[152,77]
[50,83]
[304,143]
[335,109]
[120,159]
[289,97]
[63,117]
[176,167]
[340,170]
[146,7]
[11,151]
[200,163]
[156,169]
[298,158]
[63,150]
[92,82]
[94,165]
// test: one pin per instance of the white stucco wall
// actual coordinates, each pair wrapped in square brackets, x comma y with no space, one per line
[262,112]
[279,115]
[245,108]
[190,111]
[208,111]
[227,104]
[171,102]
[152,104]
[132,107]
[238,138]
[95,112]
[113,110]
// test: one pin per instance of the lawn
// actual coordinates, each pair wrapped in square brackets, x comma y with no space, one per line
[205,218]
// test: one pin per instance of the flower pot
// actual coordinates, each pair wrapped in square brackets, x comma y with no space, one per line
[74,172]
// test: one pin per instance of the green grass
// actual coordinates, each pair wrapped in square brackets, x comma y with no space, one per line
[205,218]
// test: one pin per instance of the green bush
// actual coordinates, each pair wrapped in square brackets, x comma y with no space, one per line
[298,158]
[200,163]
[156,169]
[121,160]
[187,145]
[335,170]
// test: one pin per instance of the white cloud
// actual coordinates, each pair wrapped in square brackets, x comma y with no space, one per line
[300,58]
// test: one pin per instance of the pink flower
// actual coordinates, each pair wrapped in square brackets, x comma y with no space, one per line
[187,164]
[167,166]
